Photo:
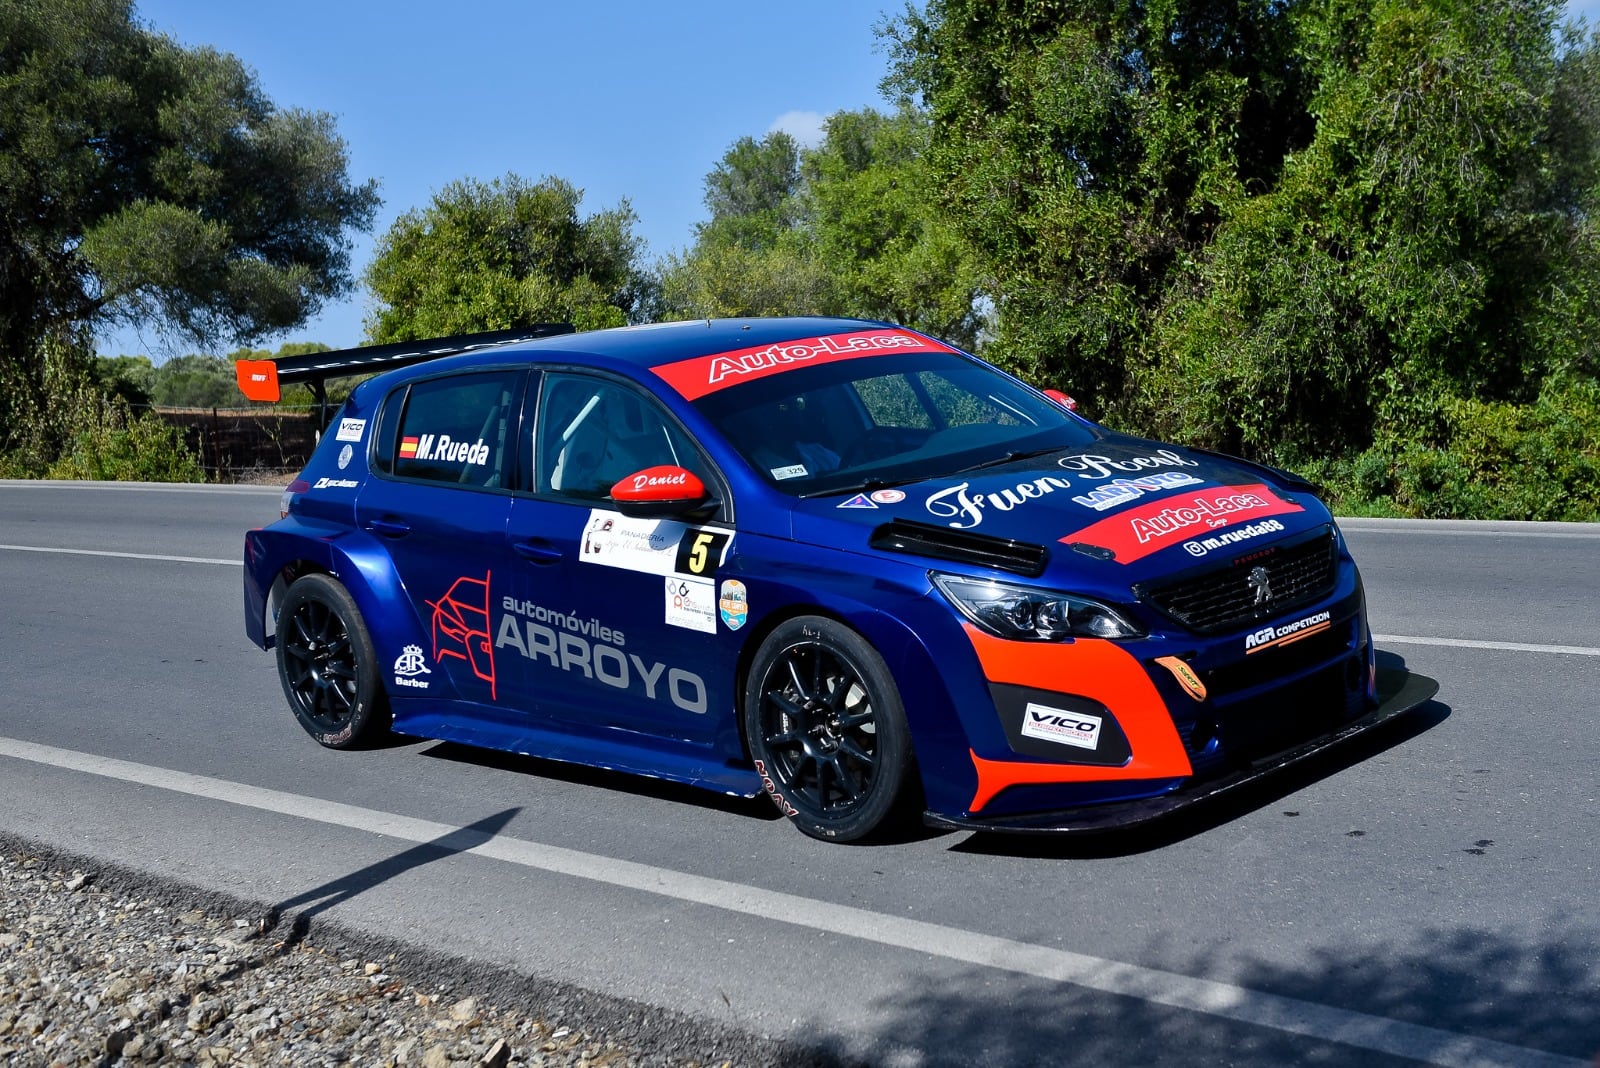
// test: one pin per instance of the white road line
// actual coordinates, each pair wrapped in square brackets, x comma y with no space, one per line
[1472,528]
[1292,1015]
[124,556]
[146,487]
[1469,643]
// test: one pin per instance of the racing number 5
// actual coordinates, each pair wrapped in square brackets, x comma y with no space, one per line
[699,554]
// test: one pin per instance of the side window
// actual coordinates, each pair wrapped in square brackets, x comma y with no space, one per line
[457,430]
[592,432]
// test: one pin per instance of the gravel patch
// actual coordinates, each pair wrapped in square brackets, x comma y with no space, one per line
[105,966]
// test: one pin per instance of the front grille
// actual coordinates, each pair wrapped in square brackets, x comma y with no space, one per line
[1223,597]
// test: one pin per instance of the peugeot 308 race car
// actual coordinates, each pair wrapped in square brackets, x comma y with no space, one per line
[839,562]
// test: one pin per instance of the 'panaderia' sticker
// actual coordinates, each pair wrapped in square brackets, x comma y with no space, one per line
[653,546]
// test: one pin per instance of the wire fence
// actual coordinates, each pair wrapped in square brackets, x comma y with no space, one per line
[246,444]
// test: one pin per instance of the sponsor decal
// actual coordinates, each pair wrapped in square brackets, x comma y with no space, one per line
[569,642]
[1058,725]
[1287,633]
[653,546]
[792,471]
[1094,467]
[444,449]
[644,480]
[963,509]
[888,496]
[461,627]
[1185,675]
[1201,546]
[700,375]
[335,483]
[351,429]
[408,665]
[1145,529]
[860,500]
[691,603]
[1120,491]
[589,628]
[733,605]
[344,457]
[771,788]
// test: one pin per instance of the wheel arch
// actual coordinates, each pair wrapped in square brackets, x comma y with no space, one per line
[937,735]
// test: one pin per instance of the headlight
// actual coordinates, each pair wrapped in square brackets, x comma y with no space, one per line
[1025,614]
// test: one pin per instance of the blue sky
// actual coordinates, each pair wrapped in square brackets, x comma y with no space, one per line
[624,99]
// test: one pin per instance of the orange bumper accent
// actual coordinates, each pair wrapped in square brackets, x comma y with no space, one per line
[1095,668]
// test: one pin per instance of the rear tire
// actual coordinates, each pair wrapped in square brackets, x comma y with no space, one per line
[827,730]
[327,664]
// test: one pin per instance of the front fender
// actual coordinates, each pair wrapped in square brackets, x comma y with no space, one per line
[925,649]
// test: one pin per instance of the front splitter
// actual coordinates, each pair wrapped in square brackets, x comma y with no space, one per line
[1399,692]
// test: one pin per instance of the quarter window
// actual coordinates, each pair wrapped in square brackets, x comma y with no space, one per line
[458,430]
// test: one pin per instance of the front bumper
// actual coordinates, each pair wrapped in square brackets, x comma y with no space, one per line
[1399,692]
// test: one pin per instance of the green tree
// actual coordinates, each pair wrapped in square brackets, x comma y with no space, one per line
[847,228]
[141,181]
[1285,229]
[491,256]
[1087,151]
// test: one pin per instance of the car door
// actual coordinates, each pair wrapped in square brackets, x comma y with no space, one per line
[615,617]
[439,501]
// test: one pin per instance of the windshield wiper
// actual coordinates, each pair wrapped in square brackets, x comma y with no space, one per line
[1012,457]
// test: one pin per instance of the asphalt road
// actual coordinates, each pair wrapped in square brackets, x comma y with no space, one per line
[1430,896]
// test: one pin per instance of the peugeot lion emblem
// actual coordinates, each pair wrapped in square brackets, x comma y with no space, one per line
[1261,582]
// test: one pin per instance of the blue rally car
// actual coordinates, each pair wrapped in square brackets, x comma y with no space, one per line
[836,561]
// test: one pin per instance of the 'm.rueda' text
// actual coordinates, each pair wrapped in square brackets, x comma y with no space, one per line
[445,449]
[797,351]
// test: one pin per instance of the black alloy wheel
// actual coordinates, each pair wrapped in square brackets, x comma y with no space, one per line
[827,729]
[327,664]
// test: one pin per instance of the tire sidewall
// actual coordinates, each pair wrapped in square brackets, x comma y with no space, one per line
[318,588]
[893,767]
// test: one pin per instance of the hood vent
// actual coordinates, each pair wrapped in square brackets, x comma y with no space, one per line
[961,546]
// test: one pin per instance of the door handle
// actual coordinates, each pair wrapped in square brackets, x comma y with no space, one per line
[389,528]
[537,550]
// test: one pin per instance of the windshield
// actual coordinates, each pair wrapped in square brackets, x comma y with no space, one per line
[838,427]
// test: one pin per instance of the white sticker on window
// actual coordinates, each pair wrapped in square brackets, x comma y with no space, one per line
[792,471]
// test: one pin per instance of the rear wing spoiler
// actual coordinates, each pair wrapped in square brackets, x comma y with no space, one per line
[263,380]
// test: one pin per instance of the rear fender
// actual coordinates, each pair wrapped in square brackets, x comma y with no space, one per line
[277,555]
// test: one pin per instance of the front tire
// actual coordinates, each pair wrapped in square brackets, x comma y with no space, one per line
[827,729]
[327,664]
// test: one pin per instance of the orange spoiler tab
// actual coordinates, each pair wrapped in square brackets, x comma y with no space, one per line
[258,379]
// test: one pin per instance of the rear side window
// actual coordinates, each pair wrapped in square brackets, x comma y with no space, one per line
[459,430]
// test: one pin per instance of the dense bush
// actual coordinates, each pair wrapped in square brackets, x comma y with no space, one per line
[1483,460]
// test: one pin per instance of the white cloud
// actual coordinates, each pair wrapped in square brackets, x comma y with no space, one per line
[804,126]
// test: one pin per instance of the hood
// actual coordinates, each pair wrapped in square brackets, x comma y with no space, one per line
[1119,507]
